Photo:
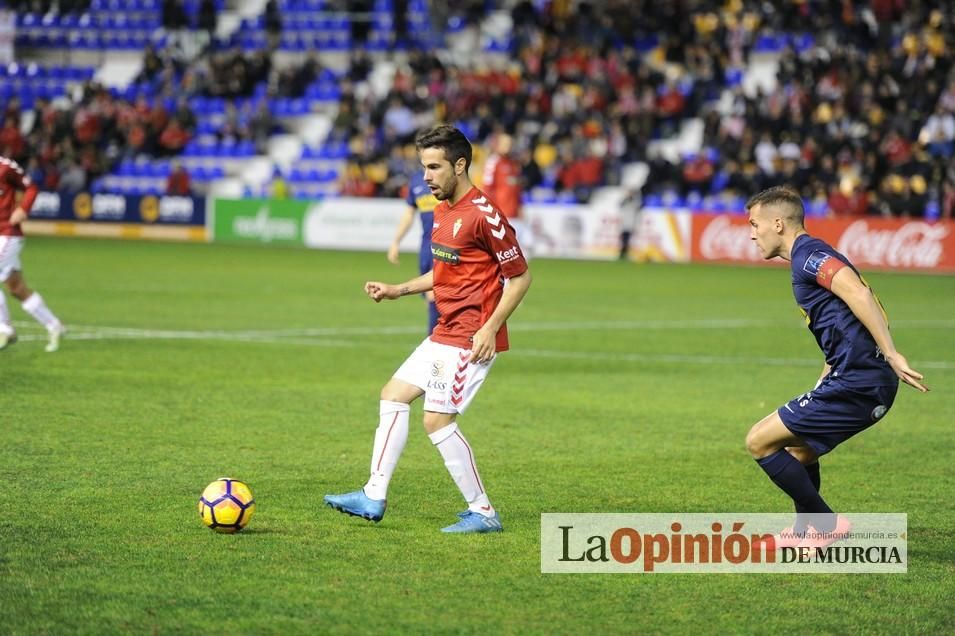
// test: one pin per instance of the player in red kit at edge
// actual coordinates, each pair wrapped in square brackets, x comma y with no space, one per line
[475,250]
[502,181]
[17,194]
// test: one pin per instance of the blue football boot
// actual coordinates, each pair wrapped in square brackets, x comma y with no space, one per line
[475,522]
[358,504]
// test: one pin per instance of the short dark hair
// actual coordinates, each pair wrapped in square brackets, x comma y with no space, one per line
[449,139]
[783,196]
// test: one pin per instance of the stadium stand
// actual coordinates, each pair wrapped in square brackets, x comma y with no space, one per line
[697,103]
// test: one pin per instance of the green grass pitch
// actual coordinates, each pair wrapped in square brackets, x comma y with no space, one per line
[628,389]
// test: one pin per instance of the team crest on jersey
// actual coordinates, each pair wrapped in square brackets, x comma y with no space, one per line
[456,227]
[815,261]
[445,254]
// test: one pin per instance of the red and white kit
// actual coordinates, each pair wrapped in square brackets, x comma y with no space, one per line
[13,179]
[475,250]
[502,183]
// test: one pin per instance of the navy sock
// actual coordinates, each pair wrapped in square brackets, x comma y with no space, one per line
[801,522]
[792,477]
[814,476]
[432,316]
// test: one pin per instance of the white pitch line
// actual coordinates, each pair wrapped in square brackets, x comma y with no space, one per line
[595,325]
[310,337]
[693,359]
[198,336]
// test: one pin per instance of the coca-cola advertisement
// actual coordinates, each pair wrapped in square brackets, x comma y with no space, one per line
[870,243]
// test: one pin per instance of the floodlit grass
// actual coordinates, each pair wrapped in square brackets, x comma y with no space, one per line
[629,389]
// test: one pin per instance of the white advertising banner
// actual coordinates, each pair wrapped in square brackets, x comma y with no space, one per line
[558,231]
[358,224]
[593,232]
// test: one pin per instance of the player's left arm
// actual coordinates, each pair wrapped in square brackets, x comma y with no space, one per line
[483,343]
[847,285]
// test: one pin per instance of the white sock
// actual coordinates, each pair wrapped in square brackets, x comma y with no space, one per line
[459,459]
[5,325]
[390,439]
[35,306]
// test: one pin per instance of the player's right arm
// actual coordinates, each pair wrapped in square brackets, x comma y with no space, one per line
[847,285]
[378,291]
[403,226]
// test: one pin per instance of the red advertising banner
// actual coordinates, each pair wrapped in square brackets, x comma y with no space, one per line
[869,243]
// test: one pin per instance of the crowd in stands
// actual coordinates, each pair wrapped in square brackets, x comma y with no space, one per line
[71,143]
[575,91]
[43,7]
[861,122]
[861,119]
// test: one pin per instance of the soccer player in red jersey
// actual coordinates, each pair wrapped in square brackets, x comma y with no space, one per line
[503,183]
[475,250]
[17,194]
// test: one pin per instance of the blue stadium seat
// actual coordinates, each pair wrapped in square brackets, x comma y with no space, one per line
[733,77]
[803,41]
[769,43]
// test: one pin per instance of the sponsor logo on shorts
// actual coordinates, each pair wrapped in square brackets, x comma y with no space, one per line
[879,411]
[437,369]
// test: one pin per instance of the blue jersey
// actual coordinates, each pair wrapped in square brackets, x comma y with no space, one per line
[849,348]
[420,197]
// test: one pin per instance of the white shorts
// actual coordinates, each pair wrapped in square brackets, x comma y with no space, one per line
[443,372]
[10,247]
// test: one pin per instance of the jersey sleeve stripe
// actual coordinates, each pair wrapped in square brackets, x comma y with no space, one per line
[827,270]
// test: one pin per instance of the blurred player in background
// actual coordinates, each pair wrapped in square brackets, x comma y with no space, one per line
[420,202]
[17,194]
[474,249]
[859,380]
[504,186]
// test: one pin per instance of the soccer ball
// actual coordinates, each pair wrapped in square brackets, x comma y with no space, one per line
[226,505]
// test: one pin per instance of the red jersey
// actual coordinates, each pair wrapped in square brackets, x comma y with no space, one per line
[502,183]
[12,180]
[474,249]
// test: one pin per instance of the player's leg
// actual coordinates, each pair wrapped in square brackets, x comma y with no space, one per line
[809,458]
[9,262]
[7,334]
[459,459]
[454,386]
[396,396]
[34,305]
[783,457]
[390,437]
[767,442]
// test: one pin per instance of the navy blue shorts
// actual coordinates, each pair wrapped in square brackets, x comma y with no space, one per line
[832,413]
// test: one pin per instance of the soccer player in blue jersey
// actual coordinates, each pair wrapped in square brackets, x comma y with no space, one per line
[420,202]
[859,379]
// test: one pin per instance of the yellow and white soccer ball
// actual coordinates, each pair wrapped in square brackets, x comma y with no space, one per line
[226,505]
